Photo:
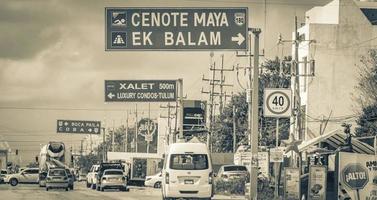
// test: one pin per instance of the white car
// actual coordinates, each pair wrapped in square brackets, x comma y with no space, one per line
[91,178]
[28,175]
[187,172]
[154,180]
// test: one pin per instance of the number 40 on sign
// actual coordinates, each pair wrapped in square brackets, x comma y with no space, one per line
[277,102]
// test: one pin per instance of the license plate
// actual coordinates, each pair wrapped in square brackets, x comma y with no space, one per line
[189,181]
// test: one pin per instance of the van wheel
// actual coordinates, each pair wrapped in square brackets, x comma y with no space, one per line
[46,188]
[98,188]
[13,182]
[157,185]
[66,189]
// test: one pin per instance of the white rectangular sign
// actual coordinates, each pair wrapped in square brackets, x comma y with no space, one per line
[277,102]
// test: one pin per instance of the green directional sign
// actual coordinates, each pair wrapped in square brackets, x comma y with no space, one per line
[140,90]
[176,28]
[78,126]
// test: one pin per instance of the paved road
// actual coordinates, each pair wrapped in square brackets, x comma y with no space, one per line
[27,192]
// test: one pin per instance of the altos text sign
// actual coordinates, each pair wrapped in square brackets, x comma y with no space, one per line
[75,126]
[176,28]
[140,90]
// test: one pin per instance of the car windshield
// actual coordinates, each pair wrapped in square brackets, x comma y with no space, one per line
[57,172]
[189,161]
[114,172]
[235,168]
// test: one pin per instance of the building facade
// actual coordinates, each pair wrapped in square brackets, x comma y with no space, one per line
[341,32]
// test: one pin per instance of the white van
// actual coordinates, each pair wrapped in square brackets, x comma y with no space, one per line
[187,172]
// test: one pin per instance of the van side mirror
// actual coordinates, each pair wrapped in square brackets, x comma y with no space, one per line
[215,174]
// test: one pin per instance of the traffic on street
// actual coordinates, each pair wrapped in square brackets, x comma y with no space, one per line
[188,99]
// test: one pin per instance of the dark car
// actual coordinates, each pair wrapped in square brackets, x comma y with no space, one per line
[71,179]
[102,168]
[3,174]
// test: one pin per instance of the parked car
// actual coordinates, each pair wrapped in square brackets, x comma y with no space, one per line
[154,180]
[57,178]
[82,177]
[42,179]
[102,168]
[229,172]
[113,179]
[91,177]
[71,178]
[3,174]
[187,172]
[28,175]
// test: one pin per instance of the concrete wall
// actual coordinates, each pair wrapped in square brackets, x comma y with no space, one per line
[337,55]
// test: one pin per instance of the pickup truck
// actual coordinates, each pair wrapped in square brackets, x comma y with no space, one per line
[91,178]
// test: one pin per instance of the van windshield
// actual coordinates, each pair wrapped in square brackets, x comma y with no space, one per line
[189,161]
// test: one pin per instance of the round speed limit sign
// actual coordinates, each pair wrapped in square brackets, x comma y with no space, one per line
[277,103]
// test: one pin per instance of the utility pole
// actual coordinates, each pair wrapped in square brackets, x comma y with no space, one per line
[221,83]
[180,83]
[215,82]
[113,137]
[252,95]
[136,128]
[81,147]
[104,144]
[234,130]
[169,117]
[148,125]
[126,139]
[253,112]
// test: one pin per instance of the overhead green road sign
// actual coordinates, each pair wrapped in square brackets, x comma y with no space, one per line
[140,90]
[176,28]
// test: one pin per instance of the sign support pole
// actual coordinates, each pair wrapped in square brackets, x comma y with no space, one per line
[276,163]
[253,112]
[180,82]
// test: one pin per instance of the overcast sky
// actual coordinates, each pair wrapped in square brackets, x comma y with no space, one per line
[53,63]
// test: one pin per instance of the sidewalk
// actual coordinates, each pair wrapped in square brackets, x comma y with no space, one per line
[225,197]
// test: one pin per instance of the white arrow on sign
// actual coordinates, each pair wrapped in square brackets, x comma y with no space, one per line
[239,39]
[111,95]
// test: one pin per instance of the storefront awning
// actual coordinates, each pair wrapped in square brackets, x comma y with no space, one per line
[336,139]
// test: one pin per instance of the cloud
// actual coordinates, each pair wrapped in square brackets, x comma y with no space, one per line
[28,27]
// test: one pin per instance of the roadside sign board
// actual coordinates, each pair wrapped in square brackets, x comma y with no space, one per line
[140,90]
[317,182]
[291,183]
[277,154]
[277,102]
[356,176]
[174,29]
[194,114]
[78,126]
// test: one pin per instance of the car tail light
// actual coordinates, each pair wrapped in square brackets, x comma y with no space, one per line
[210,178]
[103,178]
[167,178]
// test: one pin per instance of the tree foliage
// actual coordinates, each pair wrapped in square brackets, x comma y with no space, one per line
[275,74]
[367,86]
